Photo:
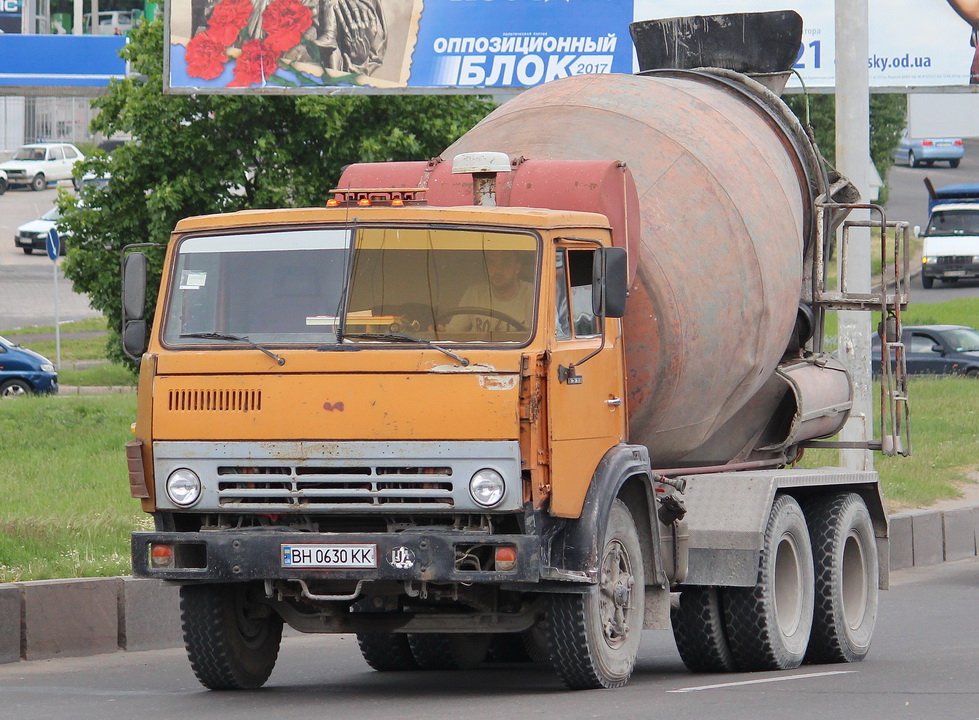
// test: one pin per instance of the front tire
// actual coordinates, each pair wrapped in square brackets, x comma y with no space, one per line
[927,282]
[39,182]
[594,638]
[912,160]
[15,388]
[769,625]
[845,555]
[232,642]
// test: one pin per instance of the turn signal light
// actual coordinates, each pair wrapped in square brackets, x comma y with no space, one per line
[364,202]
[506,558]
[161,556]
[333,202]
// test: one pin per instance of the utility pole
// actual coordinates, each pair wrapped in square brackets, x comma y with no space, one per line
[852,160]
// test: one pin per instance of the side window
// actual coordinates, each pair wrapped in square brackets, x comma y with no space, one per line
[574,303]
[56,153]
[921,344]
[563,324]
[70,153]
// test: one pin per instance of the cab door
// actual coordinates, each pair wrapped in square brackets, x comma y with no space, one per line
[586,404]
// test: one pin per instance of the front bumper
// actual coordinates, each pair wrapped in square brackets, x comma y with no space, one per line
[241,555]
[953,268]
[35,241]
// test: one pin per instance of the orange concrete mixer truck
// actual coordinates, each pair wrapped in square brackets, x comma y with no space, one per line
[523,400]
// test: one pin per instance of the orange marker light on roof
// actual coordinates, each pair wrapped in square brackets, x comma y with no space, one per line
[397,202]
[364,202]
[332,202]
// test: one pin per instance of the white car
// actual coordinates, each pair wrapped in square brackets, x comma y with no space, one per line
[38,164]
[33,235]
[3,182]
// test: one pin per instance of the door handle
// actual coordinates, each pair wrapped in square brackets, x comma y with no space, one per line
[614,402]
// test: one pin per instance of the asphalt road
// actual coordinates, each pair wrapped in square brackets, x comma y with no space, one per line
[27,282]
[922,665]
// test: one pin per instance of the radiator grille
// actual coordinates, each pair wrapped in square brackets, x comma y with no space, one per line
[215,400]
[349,487]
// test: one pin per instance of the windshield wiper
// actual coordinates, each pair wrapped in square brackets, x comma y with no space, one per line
[398,337]
[239,338]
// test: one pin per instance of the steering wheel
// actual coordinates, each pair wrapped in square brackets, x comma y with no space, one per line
[485,312]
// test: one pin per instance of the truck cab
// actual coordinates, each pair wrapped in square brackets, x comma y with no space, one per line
[951,244]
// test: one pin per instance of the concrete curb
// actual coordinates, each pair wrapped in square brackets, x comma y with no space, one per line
[72,618]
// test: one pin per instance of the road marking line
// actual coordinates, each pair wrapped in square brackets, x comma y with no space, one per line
[781,678]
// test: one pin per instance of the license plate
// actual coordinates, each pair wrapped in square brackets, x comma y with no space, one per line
[955,273]
[345,556]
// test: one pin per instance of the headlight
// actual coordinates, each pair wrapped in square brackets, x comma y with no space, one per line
[47,367]
[929,260]
[184,487]
[487,487]
[975,259]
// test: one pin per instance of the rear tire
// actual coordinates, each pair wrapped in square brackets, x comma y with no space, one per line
[594,638]
[699,632]
[27,250]
[954,163]
[232,642]
[449,651]
[845,555]
[768,626]
[3,186]
[387,652]
[39,182]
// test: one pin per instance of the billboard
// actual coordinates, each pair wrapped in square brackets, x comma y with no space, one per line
[60,60]
[425,46]
[11,13]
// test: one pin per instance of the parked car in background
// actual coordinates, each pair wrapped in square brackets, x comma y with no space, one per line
[24,371]
[3,182]
[936,350]
[927,151]
[110,22]
[38,164]
[33,235]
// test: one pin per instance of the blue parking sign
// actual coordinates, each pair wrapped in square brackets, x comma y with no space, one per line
[53,244]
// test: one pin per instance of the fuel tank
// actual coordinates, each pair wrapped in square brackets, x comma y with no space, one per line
[725,185]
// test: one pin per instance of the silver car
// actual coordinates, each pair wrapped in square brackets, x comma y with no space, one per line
[926,151]
[39,164]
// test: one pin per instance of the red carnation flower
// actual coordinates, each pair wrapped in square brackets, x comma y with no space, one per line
[284,22]
[256,63]
[227,20]
[205,57]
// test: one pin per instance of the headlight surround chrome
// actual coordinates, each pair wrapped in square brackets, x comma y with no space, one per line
[183,487]
[47,367]
[487,487]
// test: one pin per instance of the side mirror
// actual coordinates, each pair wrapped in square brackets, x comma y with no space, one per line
[610,284]
[936,348]
[134,330]
[135,339]
[133,286]
[916,230]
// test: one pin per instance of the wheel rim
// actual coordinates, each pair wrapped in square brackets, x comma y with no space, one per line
[855,583]
[14,391]
[616,595]
[788,586]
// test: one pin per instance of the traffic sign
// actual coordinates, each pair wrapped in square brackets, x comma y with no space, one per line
[53,244]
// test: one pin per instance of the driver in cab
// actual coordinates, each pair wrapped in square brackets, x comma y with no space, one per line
[501,305]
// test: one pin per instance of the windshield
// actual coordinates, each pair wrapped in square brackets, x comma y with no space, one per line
[954,222]
[444,285]
[30,153]
[52,214]
[963,340]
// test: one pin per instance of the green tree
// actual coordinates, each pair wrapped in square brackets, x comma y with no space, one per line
[888,116]
[200,154]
